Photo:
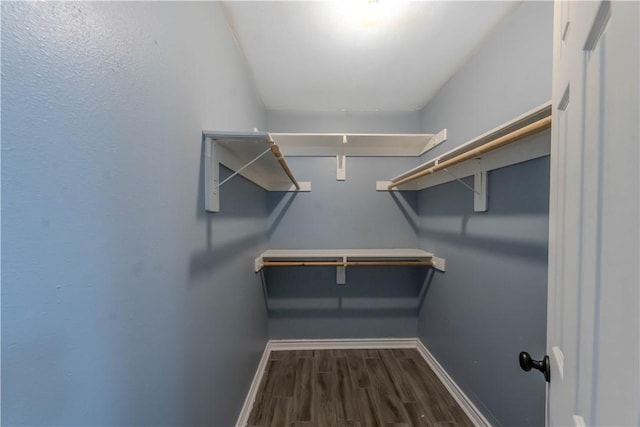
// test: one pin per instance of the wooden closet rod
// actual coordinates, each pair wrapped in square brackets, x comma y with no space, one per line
[514,136]
[345,264]
[283,163]
[389,263]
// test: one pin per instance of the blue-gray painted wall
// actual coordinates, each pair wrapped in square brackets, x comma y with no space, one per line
[491,302]
[375,302]
[123,302]
[345,121]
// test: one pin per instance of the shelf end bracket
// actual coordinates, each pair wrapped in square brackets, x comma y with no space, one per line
[341,167]
[211,176]
[341,272]
[480,192]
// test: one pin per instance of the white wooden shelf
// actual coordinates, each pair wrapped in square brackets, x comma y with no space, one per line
[343,145]
[247,154]
[524,149]
[357,144]
[343,258]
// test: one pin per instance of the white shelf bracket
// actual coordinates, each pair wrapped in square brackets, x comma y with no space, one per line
[341,162]
[460,181]
[341,167]
[243,167]
[341,272]
[479,188]
[480,193]
[212,181]
[265,290]
[211,176]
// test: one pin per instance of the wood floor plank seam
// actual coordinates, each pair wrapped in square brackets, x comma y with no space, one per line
[352,388]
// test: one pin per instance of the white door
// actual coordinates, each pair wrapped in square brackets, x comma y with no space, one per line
[593,318]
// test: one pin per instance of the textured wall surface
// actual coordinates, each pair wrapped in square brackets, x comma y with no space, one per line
[123,302]
[491,302]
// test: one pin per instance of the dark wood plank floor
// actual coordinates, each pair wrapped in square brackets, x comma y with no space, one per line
[352,388]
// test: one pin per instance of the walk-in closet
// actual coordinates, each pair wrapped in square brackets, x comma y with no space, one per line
[351,213]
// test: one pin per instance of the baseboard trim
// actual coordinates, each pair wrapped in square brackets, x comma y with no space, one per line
[456,392]
[245,411]
[336,344]
[342,344]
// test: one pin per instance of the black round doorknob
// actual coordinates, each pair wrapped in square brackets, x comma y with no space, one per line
[526,363]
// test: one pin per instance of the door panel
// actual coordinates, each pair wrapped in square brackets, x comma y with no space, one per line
[617,371]
[593,314]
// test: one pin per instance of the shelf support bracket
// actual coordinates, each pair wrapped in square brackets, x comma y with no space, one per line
[211,176]
[480,193]
[460,181]
[341,167]
[244,167]
[479,189]
[341,272]
[341,161]
[265,292]
[212,182]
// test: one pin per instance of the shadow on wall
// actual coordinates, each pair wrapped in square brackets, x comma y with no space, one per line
[407,207]
[369,291]
[237,228]
[223,323]
[500,230]
[277,205]
[492,301]
[532,249]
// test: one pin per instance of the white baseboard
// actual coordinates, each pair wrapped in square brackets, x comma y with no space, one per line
[243,418]
[467,405]
[342,344]
[336,344]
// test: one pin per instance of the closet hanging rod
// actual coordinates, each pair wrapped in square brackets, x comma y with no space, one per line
[283,163]
[514,136]
[346,264]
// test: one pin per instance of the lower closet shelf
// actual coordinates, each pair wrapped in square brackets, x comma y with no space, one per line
[343,258]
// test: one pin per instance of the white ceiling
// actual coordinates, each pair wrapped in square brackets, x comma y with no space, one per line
[321,56]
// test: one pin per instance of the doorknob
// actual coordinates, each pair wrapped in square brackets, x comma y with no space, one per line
[526,363]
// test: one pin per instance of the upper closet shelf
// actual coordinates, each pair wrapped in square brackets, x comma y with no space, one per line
[352,144]
[254,155]
[492,150]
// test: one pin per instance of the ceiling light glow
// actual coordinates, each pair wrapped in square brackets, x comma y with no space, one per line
[370,14]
